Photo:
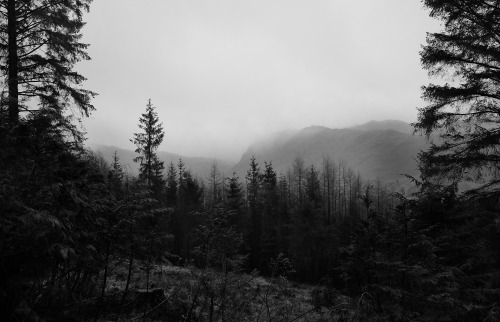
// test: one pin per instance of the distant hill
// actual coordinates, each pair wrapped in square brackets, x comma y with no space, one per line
[382,150]
[395,125]
[199,166]
[377,149]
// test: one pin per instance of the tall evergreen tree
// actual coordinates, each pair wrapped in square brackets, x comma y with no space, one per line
[313,186]
[253,178]
[215,183]
[40,44]
[284,211]
[181,167]
[115,175]
[298,172]
[53,194]
[465,113]
[235,199]
[270,220]
[171,185]
[147,142]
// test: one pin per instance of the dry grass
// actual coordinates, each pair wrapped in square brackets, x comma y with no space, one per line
[191,294]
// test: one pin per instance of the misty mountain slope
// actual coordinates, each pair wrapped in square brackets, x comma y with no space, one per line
[396,125]
[199,166]
[379,153]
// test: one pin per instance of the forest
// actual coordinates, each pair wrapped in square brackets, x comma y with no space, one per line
[84,240]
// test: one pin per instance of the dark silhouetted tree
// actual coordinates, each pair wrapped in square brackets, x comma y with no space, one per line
[215,183]
[147,142]
[313,186]
[115,176]
[298,177]
[466,113]
[235,199]
[270,215]
[253,179]
[171,185]
[40,44]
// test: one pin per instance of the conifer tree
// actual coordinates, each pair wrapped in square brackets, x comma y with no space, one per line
[253,178]
[171,185]
[283,192]
[147,142]
[298,171]
[465,113]
[235,200]
[270,189]
[115,175]
[181,167]
[313,186]
[39,46]
[215,183]
[283,210]
[270,220]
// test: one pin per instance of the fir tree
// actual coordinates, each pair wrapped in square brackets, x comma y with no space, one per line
[465,113]
[215,183]
[115,175]
[171,185]
[284,212]
[40,44]
[147,142]
[270,220]
[253,178]
[298,172]
[313,186]
[234,194]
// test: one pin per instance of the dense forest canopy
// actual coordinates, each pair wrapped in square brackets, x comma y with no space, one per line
[82,239]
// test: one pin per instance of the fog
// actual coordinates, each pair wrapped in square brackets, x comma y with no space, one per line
[226,73]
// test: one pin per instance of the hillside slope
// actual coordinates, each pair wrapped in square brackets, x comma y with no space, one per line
[200,167]
[382,150]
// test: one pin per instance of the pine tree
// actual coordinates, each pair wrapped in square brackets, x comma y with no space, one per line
[235,202]
[215,183]
[313,186]
[181,167]
[328,185]
[235,199]
[465,114]
[171,185]
[284,212]
[147,142]
[270,220]
[253,178]
[298,172]
[184,221]
[40,44]
[115,175]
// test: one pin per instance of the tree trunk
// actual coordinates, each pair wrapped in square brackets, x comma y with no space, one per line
[130,265]
[12,63]
[104,281]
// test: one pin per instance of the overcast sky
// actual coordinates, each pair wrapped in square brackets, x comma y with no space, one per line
[225,73]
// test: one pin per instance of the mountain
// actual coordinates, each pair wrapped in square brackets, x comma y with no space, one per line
[199,166]
[382,150]
[395,125]
[377,149]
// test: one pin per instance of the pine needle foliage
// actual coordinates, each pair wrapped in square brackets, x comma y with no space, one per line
[40,44]
[147,142]
[464,112]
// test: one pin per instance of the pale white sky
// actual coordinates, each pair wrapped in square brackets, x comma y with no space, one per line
[225,73]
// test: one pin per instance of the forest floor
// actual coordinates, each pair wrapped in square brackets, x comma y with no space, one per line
[170,293]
